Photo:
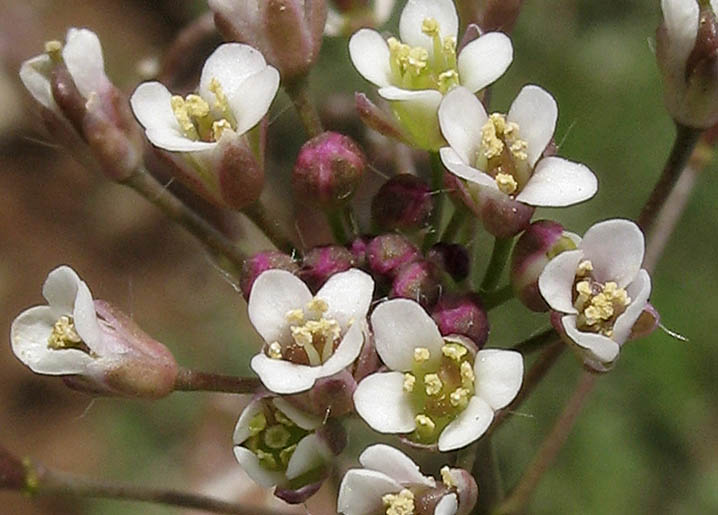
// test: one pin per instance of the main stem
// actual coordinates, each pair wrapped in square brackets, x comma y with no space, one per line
[298,91]
[686,139]
[499,258]
[194,380]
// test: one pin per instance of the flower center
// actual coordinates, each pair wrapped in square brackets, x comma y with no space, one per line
[314,336]
[274,437]
[199,121]
[598,304]
[502,154]
[439,392]
[414,68]
[65,336]
[399,504]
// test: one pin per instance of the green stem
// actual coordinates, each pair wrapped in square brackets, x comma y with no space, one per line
[496,298]
[685,142]
[195,381]
[454,226]
[298,91]
[499,258]
[257,213]
[437,185]
[488,476]
[336,224]
[537,341]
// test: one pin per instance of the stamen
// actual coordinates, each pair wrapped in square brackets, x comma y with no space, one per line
[64,335]
[459,398]
[424,426]
[219,127]
[317,306]
[257,424]
[447,478]
[181,112]
[421,354]
[454,351]
[275,350]
[267,460]
[467,375]
[286,454]
[585,267]
[295,316]
[53,49]
[506,183]
[409,382]
[432,384]
[196,106]
[399,504]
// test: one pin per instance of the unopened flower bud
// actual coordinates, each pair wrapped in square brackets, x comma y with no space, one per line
[387,252]
[320,263]
[463,315]
[403,202]
[451,258]
[328,170]
[350,5]
[261,262]
[358,248]
[540,243]
[418,281]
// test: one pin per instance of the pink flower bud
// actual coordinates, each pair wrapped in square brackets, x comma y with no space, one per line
[349,5]
[403,202]
[540,243]
[418,281]
[320,263]
[262,262]
[358,248]
[328,170]
[464,315]
[387,252]
[451,258]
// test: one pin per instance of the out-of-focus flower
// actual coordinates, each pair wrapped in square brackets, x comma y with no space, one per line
[349,15]
[601,289]
[687,54]
[439,390]
[279,445]
[414,74]
[235,91]
[307,336]
[503,153]
[102,348]
[390,482]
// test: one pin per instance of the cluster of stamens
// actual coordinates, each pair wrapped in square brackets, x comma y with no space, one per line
[273,437]
[439,392]
[416,68]
[598,304]
[502,154]
[198,120]
[64,335]
[399,504]
[314,337]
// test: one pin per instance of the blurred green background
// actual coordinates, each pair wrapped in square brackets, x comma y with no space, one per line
[647,441]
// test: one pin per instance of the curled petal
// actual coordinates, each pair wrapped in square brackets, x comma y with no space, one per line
[361,491]
[34,74]
[253,98]
[599,347]
[83,57]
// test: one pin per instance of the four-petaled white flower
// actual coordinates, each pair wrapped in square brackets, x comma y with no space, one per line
[602,289]
[307,336]
[391,482]
[503,152]
[414,73]
[236,89]
[438,391]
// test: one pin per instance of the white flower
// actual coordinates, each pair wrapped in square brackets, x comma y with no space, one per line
[601,287]
[82,55]
[415,73]
[437,389]
[235,91]
[503,153]
[274,442]
[391,480]
[308,337]
[338,22]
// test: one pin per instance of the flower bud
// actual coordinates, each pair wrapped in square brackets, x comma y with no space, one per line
[403,202]
[349,5]
[464,315]
[328,170]
[261,262]
[452,258]
[347,16]
[418,281]
[358,248]
[387,252]
[321,263]
[540,243]
[329,397]
[376,119]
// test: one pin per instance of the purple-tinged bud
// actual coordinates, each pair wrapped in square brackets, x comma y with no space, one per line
[452,258]
[464,315]
[320,263]
[376,119]
[261,262]
[403,202]
[358,248]
[240,176]
[387,252]
[13,475]
[328,170]
[647,322]
[541,242]
[419,281]
[490,15]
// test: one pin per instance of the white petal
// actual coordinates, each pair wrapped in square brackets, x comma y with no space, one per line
[85,318]
[382,10]
[250,463]
[231,64]
[370,56]
[60,289]
[600,347]
[639,291]
[82,54]
[499,374]
[241,429]
[345,354]
[281,376]
[34,74]
[348,295]
[615,248]
[468,426]
[556,281]
[310,454]
[453,162]
[448,505]
[29,335]
[251,100]
[681,18]
[304,420]
[536,112]
[484,60]
[557,182]
[361,491]
[414,14]
[417,112]
[400,326]
[395,464]
[273,295]
[461,117]
[381,401]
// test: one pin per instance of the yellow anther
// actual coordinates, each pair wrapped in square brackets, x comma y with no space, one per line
[181,112]
[506,183]
[467,375]
[421,354]
[518,149]
[275,350]
[417,60]
[295,316]
[257,424]
[430,27]
[424,425]
[454,351]
[64,335]
[448,80]
[409,382]
[286,453]
[584,288]
[584,268]
[450,44]
[302,335]
[447,478]
[399,504]
[196,106]
[459,398]
[221,102]
[317,306]
[53,48]
[432,384]
[491,145]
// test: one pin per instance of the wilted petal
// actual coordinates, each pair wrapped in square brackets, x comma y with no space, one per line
[536,112]
[361,491]
[484,60]
[601,347]
[499,374]
[615,248]
[556,280]
[395,464]
[370,55]
[557,182]
[381,401]
[468,426]
[461,117]
[414,14]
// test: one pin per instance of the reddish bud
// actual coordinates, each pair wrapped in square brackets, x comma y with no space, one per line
[403,202]
[452,258]
[386,253]
[261,262]
[321,263]
[358,248]
[464,315]
[418,281]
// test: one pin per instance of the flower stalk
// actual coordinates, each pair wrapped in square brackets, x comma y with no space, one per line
[257,213]
[189,380]
[437,184]
[497,263]
[298,92]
